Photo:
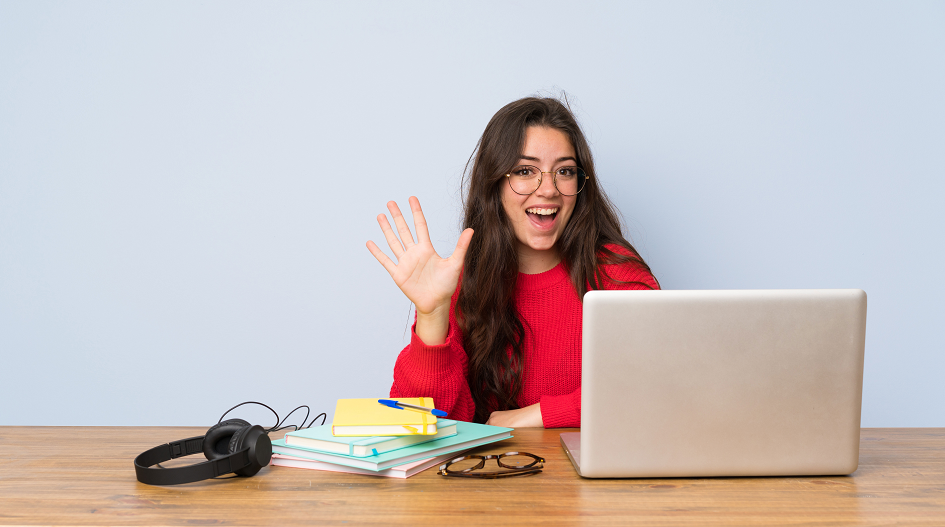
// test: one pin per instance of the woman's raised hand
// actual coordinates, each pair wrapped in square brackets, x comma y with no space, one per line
[427,279]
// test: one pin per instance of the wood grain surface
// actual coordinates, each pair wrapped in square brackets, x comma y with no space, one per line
[85,476]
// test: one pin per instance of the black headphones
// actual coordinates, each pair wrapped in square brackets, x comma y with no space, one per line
[230,446]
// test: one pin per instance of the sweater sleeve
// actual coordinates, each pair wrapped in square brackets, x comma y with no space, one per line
[436,371]
[564,411]
[561,411]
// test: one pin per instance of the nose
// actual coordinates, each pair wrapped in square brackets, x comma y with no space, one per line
[547,186]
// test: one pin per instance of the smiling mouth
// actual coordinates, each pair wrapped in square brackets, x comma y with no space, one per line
[542,216]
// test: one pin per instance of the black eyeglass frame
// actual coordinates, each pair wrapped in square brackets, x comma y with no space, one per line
[532,468]
[554,179]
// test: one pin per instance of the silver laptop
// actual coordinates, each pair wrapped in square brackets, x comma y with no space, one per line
[720,383]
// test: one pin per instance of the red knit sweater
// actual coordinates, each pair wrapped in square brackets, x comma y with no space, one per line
[551,312]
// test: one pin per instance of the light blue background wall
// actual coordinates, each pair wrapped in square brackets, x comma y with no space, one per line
[186,188]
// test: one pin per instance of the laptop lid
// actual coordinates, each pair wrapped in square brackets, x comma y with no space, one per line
[720,383]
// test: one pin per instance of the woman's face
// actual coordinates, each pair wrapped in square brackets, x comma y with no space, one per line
[539,218]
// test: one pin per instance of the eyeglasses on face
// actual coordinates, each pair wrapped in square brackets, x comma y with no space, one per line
[510,463]
[525,179]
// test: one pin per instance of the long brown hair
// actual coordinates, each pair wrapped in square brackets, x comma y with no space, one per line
[487,317]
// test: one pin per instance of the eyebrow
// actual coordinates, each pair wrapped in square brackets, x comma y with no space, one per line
[560,159]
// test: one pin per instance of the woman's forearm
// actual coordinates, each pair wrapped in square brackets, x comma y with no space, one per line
[432,328]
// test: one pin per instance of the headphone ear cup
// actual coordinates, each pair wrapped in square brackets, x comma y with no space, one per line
[234,445]
[260,448]
[216,442]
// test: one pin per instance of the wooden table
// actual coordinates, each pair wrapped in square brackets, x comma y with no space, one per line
[84,476]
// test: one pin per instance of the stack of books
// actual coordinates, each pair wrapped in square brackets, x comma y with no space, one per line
[366,437]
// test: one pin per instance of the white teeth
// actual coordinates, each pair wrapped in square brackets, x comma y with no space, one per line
[542,212]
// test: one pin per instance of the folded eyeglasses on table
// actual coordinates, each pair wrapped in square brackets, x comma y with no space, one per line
[510,464]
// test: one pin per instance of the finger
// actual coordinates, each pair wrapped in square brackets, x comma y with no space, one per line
[462,245]
[381,257]
[419,221]
[406,237]
[389,235]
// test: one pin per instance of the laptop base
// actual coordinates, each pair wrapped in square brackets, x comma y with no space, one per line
[571,442]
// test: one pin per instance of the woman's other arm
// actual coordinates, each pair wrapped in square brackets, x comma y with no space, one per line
[528,417]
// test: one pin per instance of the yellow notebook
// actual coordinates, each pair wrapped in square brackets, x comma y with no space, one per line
[367,417]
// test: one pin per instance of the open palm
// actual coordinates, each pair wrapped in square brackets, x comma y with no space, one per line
[425,278]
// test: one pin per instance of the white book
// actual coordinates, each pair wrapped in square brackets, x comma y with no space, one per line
[400,471]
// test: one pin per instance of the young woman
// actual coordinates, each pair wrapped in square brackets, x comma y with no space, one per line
[497,337]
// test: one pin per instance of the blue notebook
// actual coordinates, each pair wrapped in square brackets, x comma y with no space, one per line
[321,439]
[468,435]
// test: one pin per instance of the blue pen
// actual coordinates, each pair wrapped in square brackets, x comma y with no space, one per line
[401,406]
